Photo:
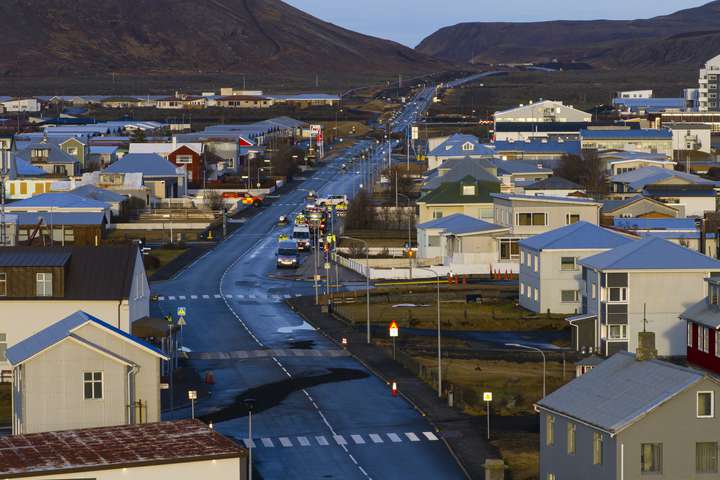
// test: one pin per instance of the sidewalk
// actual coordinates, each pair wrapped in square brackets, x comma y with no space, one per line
[464,434]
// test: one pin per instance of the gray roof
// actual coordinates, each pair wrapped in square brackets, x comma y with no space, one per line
[613,205]
[11,257]
[619,391]
[651,253]
[703,313]
[459,168]
[638,179]
[554,183]
[460,224]
[453,147]
[580,235]
[61,218]
[100,194]
[55,153]
[149,164]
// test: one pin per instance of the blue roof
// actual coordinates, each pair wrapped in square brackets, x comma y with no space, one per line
[580,235]
[58,200]
[643,134]
[453,147]
[59,331]
[655,223]
[23,168]
[650,103]
[651,253]
[102,150]
[508,167]
[517,196]
[679,191]
[149,164]
[61,218]
[99,194]
[637,179]
[460,224]
[570,147]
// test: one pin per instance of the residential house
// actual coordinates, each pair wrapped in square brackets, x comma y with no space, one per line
[702,324]
[460,239]
[51,158]
[8,229]
[100,156]
[188,155]
[638,206]
[632,183]
[121,102]
[181,450]
[81,372]
[550,275]
[683,231]
[67,218]
[23,179]
[618,162]
[631,417]
[454,170]
[554,187]
[78,147]
[468,196]
[115,200]
[21,105]
[643,284]
[692,200]
[244,101]
[164,179]
[637,140]
[514,174]
[548,151]
[695,137]
[458,146]
[54,282]
[305,100]
[543,119]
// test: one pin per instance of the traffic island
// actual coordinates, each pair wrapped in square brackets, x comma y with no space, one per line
[465,435]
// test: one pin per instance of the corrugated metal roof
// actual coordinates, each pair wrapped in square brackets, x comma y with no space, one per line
[654,103]
[620,390]
[458,168]
[112,448]
[61,218]
[542,198]
[703,313]
[460,224]
[57,200]
[651,253]
[453,147]
[580,235]
[655,223]
[509,167]
[16,257]
[99,194]
[637,133]
[554,183]
[149,164]
[613,205]
[60,330]
[638,179]
[571,147]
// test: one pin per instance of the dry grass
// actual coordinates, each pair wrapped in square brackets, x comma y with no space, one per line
[456,315]
[165,256]
[515,386]
[520,452]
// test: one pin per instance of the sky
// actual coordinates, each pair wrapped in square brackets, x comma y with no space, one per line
[409,21]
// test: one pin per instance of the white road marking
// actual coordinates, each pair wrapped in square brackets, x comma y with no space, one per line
[430,436]
[206,296]
[358,439]
[267,442]
[412,437]
[375,438]
[171,297]
[322,441]
[161,298]
[217,296]
[285,442]
[304,442]
[394,437]
[249,443]
[339,440]
[182,297]
[193,297]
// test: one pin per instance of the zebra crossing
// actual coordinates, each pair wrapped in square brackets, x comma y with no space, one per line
[268,353]
[340,440]
[267,297]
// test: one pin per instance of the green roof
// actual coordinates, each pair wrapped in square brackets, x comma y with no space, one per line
[452,192]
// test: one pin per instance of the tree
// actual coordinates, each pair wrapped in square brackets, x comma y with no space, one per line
[586,169]
[361,213]
[214,200]
[138,136]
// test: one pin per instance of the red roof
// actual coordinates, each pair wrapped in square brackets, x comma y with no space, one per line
[113,447]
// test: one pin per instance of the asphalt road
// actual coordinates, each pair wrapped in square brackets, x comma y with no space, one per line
[318,413]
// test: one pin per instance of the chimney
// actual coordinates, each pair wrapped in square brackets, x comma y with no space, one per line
[646,347]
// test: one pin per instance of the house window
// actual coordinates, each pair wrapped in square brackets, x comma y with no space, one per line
[434,241]
[43,285]
[618,294]
[593,292]
[551,476]
[437,214]
[705,404]
[467,146]
[522,257]
[570,438]
[3,284]
[468,190]
[714,295]
[717,344]
[536,294]
[522,288]
[535,262]
[531,219]
[549,430]
[93,385]
[571,218]
[3,346]
[569,296]
[568,263]
[703,334]
[72,151]
[651,458]
[597,448]
[706,457]
[509,249]
[689,334]
[617,332]
[184,159]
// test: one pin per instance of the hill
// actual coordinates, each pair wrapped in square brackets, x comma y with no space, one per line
[686,37]
[187,38]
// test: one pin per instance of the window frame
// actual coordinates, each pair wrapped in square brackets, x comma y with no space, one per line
[3,284]
[532,216]
[712,403]
[597,445]
[569,216]
[622,326]
[712,470]
[44,283]
[509,242]
[623,295]
[93,382]
[690,335]
[703,339]
[657,460]
[563,267]
[571,429]
[576,296]
[549,430]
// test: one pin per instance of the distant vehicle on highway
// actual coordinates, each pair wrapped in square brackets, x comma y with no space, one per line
[331,200]
[301,234]
[287,254]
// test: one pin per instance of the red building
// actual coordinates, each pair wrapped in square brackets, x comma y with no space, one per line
[703,322]
[189,158]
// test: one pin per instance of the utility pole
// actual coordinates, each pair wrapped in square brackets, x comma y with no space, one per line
[4,158]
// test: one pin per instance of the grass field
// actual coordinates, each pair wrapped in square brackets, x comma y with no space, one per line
[455,315]
[520,452]
[164,256]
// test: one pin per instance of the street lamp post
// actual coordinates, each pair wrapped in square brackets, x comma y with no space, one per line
[439,345]
[250,404]
[367,281]
[410,218]
[526,347]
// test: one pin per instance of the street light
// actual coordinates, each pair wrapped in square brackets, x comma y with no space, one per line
[367,281]
[439,347]
[250,404]
[517,345]
[411,215]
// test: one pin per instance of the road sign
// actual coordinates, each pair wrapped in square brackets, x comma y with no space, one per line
[192,394]
[318,278]
[326,266]
[181,322]
[164,386]
[181,311]
[415,133]
[487,396]
[394,330]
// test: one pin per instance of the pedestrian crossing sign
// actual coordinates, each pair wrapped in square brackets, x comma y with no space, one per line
[487,396]
[181,311]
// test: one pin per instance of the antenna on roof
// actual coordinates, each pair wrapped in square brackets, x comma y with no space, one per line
[644,317]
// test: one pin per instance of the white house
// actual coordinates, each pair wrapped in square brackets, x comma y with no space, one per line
[21,105]
[550,276]
[691,137]
[546,118]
